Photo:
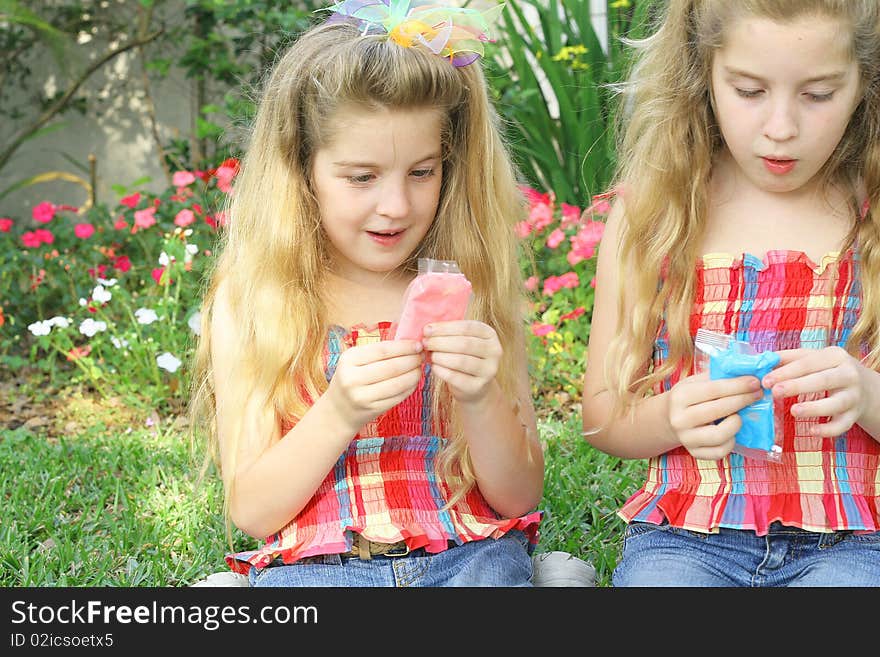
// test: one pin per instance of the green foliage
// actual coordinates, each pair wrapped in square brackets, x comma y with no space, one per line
[550,76]
[111,298]
[561,240]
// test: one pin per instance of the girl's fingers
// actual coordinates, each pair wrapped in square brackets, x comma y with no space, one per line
[835,404]
[834,427]
[464,363]
[815,381]
[708,412]
[459,327]
[379,351]
[387,369]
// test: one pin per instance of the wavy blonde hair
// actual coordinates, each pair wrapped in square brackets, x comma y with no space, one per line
[668,138]
[273,252]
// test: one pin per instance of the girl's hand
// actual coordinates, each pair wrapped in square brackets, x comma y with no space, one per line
[465,354]
[696,402]
[372,378]
[815,371]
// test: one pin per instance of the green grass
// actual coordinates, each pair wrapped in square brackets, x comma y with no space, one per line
[113,504]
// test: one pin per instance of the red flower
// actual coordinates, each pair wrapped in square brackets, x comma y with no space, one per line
[2,318]
[160,277]
[79,352]
[44,235]
[43,212]
[122,263]
[5,225]
[131,200]
[574,314]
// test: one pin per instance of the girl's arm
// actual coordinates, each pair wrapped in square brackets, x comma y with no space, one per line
[271,476]
[504,448]
[502,437]
[684,415]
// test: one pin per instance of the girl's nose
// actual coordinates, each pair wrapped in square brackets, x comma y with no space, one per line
[781,124]
[393,199]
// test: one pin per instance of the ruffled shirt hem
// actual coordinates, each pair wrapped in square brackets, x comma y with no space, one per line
[810,512]
[432,539]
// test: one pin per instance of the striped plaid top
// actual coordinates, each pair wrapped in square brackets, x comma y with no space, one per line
[821,484]
[384,486]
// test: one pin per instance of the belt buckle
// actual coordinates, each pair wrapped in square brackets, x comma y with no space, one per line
[392,555]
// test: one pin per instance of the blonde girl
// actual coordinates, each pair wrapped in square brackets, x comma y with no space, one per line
[749,182]
[363,460]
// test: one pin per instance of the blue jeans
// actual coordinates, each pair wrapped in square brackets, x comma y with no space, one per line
[661,555]
[488,562]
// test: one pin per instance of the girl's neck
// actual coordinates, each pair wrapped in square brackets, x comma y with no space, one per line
[746,219]
[366,298]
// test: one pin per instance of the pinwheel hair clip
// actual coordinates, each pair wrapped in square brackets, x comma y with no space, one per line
[456,33]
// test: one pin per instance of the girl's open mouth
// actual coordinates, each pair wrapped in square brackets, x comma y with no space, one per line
[778,167]
[385,238]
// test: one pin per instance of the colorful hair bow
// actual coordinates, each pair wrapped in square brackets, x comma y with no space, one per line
[457,33]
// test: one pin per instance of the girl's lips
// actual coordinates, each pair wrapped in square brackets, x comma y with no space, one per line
[386,239]
[778,167]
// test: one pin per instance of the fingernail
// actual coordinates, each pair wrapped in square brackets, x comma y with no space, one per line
[768,382]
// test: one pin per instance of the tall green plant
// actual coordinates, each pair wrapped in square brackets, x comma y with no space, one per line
[551,74]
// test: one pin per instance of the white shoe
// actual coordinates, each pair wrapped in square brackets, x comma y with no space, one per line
[561,569]
[228,578]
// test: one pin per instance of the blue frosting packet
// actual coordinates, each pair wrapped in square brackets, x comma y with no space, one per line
[758,427]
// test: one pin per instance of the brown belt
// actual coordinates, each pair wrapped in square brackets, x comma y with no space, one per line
[364,548]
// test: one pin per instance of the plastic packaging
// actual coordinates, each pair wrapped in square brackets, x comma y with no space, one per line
[760,436]
[439,293]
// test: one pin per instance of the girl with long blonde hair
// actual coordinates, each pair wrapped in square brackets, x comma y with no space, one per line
[364,460]
[748,194]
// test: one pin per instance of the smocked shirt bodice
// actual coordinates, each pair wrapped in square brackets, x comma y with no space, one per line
[785,301]
[385,485]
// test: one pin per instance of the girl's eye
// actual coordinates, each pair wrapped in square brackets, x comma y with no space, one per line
[360,179]
[748,93]
[820,98]
[423,173]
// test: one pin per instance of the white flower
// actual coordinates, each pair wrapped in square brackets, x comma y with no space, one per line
[192,248]
[60,322]
[89,327]
[164,260]
[195,322]
[145,315]
[40,328]
[168,362]
[188,232]
[82,301]
[107,282]
[119,343]
[101,295]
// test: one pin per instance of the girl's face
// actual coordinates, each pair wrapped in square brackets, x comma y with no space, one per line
[378,186]
[784,93]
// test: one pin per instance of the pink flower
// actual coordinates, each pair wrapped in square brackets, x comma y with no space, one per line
[84,231]
[541,330]
[43,212]
[571,214]
[145,218]
[535,197]
[120,224]
[601,203]
[79,352]
[555,283]
[182,178]
[583,244]
[221,218]
[540,216]
[531,283]
[225,174]
[160,276]
[5,224]
[555,238]
[184,218]
[131,200]
[30,240]
[523,229]
[44,235]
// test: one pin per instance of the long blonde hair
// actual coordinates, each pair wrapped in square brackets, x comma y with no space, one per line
[668,139]
[273,252]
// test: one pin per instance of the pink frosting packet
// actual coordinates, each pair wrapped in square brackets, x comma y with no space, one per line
[439,293]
